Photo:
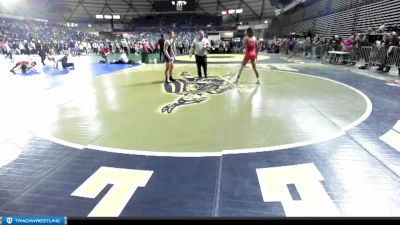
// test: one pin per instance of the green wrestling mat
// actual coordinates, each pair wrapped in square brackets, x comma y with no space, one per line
[134,110]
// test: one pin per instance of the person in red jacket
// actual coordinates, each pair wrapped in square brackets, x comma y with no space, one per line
[104,52]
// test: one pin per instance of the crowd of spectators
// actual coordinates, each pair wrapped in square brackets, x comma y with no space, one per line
[33,37]
[383,39]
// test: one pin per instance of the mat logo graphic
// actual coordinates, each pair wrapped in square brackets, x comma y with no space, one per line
[9,220]
[307,197]
[306,179]
[392,137]
[194,90]
[125,183]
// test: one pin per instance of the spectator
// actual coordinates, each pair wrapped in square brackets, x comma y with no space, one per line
[104,53]
[348,44]
[123,58]
[390,43]
[8,51]
[290,46]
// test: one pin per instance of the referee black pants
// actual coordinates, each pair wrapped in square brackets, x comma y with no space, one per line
[42,56]
[162,55]
[201,61]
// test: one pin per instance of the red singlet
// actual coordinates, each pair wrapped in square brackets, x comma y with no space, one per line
[251,50]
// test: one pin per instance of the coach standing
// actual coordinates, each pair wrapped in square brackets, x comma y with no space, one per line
[200,47]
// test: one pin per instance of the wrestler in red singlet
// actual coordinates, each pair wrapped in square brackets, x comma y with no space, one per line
[24,66]
[251,54]
[23,63]
[251,49]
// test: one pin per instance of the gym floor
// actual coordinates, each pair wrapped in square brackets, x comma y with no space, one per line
[115,140]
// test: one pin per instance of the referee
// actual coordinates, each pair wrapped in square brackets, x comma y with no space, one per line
[199,48]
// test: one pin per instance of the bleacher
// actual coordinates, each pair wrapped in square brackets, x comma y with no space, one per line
[177,19]
[337,17]
[148,21]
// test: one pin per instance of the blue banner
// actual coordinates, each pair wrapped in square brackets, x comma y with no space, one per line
[28,220]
